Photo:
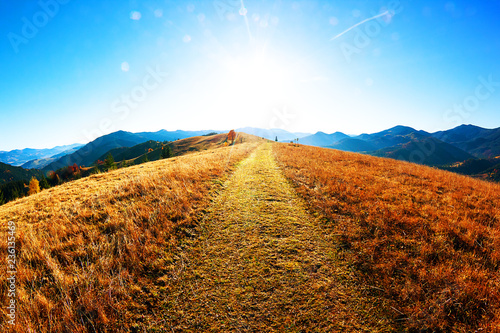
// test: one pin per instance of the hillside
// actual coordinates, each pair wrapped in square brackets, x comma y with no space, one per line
[423,241]
[131,153]
[92,151]
[92,249]
[179,147]
[260,263]
[9,173]
[353,145]
[89,153]
[255,237]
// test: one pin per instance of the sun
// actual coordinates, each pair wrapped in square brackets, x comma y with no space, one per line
[255,77]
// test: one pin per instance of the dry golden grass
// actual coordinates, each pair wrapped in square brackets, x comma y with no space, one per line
[260,263]
[427,241]
[198,143]
[90,251]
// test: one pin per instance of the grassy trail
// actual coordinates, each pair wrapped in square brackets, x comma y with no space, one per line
[259,263]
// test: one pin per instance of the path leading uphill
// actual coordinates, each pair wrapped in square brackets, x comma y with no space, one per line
[259,263]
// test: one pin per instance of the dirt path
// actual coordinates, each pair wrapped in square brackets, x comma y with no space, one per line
[259,263]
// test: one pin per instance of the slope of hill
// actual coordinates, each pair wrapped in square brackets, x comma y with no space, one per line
[353,145]
[425,242]
[383,245]
[261,263]
[93,249]
[92,151]
[487,169]
[322,139]
[131,153]
[9,173]
[41,163]
[20,156]
[86,155]
[152,149]
[428,151]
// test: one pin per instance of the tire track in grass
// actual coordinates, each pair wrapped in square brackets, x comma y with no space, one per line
[260,263]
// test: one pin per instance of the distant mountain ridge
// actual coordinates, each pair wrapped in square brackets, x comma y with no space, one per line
[400,142]
[18,157]
[478,141]
[41,163]
[406,143]
[272,134]
[323,139]
[92,151]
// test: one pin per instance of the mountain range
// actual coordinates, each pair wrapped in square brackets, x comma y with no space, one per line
[273,133]
[94,150]
[444,148]
[406,143]
[18,157]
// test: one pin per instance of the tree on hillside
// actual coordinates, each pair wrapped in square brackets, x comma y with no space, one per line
[276,139]
[34,186]
[44,184]
[110,162]
[144,159]
[231,136]
[166,152]
[2,199]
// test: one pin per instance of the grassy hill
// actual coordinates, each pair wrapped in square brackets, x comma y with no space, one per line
[296,239]
[179,147]
[89,250]
[424,240]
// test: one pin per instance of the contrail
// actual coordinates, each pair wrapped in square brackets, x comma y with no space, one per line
[246,22]
[357,24]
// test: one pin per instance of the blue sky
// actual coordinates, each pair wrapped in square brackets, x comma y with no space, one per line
[74,70]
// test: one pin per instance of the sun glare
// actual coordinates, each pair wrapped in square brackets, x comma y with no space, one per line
[256,77]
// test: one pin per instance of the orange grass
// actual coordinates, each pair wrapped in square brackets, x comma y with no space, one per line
[89,251]
[427,241]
